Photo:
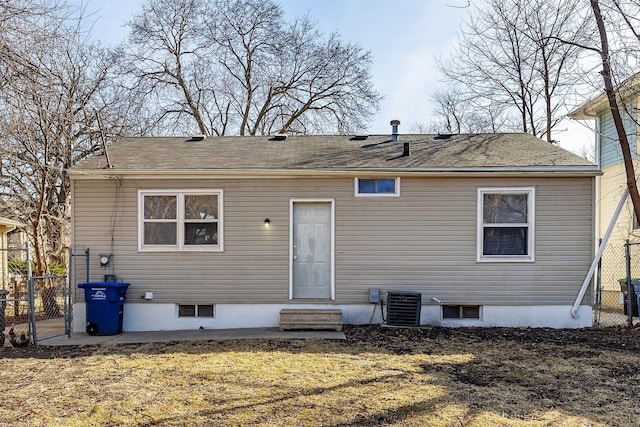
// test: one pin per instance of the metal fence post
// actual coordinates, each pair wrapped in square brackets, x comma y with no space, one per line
[598,301]
[32,299]
[3,307]
[71,280]
[627,255]
[67,301]
[87,262]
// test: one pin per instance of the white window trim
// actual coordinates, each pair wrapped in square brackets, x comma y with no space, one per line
[531,193]
[180,246]
[358,194]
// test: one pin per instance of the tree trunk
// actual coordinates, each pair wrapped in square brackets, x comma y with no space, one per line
[615,111]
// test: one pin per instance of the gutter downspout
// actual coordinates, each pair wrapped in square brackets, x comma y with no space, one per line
[594,264]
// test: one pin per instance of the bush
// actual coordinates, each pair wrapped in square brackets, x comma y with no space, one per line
[18,266]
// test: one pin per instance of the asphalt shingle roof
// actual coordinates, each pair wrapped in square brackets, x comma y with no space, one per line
[428,152]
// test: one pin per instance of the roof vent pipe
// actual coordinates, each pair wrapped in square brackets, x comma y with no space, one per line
[394,129]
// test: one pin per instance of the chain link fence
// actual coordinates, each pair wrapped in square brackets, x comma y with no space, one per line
[612,293]
[15,286]
[51,306]
[33,307]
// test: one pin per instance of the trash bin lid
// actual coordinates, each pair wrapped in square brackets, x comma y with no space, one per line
[103,285]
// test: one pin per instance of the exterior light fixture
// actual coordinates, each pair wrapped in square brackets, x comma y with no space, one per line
[267,223]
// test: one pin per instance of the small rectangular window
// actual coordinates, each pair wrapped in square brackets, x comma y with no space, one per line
[460,311]
[470,312]
[188,310]
[377,186]
[195,310]
[450,311]
[205,311]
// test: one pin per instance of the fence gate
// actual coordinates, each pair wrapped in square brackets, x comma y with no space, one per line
[51,307]
[34,308]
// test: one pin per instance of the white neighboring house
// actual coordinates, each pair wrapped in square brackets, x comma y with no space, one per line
[6,227]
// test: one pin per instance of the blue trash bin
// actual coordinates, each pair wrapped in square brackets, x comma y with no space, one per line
[629,293]
[105,306]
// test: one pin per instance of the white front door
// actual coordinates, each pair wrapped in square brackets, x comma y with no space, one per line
[312,250]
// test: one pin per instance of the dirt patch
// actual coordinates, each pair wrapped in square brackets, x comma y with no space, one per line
[378,376]
[589,339]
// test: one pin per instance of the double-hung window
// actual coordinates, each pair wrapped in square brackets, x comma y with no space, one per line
[506,224]
[180,220]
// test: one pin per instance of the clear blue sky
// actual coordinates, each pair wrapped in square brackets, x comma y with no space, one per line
[404,37]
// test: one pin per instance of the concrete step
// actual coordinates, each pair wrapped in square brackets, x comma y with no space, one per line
[293,318]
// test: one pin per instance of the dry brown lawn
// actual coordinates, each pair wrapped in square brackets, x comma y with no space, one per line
[378,376]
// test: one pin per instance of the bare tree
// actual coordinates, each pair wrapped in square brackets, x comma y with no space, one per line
[460,111]
[450,106]
[616,95]
[505,55]
[166,53]
[238,67]
[55,85]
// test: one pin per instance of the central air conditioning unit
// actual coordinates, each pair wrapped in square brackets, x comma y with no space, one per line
[403,308]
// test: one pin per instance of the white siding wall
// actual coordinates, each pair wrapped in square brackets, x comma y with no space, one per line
[424,240]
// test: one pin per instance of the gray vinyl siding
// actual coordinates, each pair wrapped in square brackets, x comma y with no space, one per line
[424,240]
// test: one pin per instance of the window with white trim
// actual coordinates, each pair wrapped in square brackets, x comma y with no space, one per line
[506,224]
[377,187]
[180,220]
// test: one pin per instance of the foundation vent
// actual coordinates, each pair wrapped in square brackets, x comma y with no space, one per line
[403,308]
